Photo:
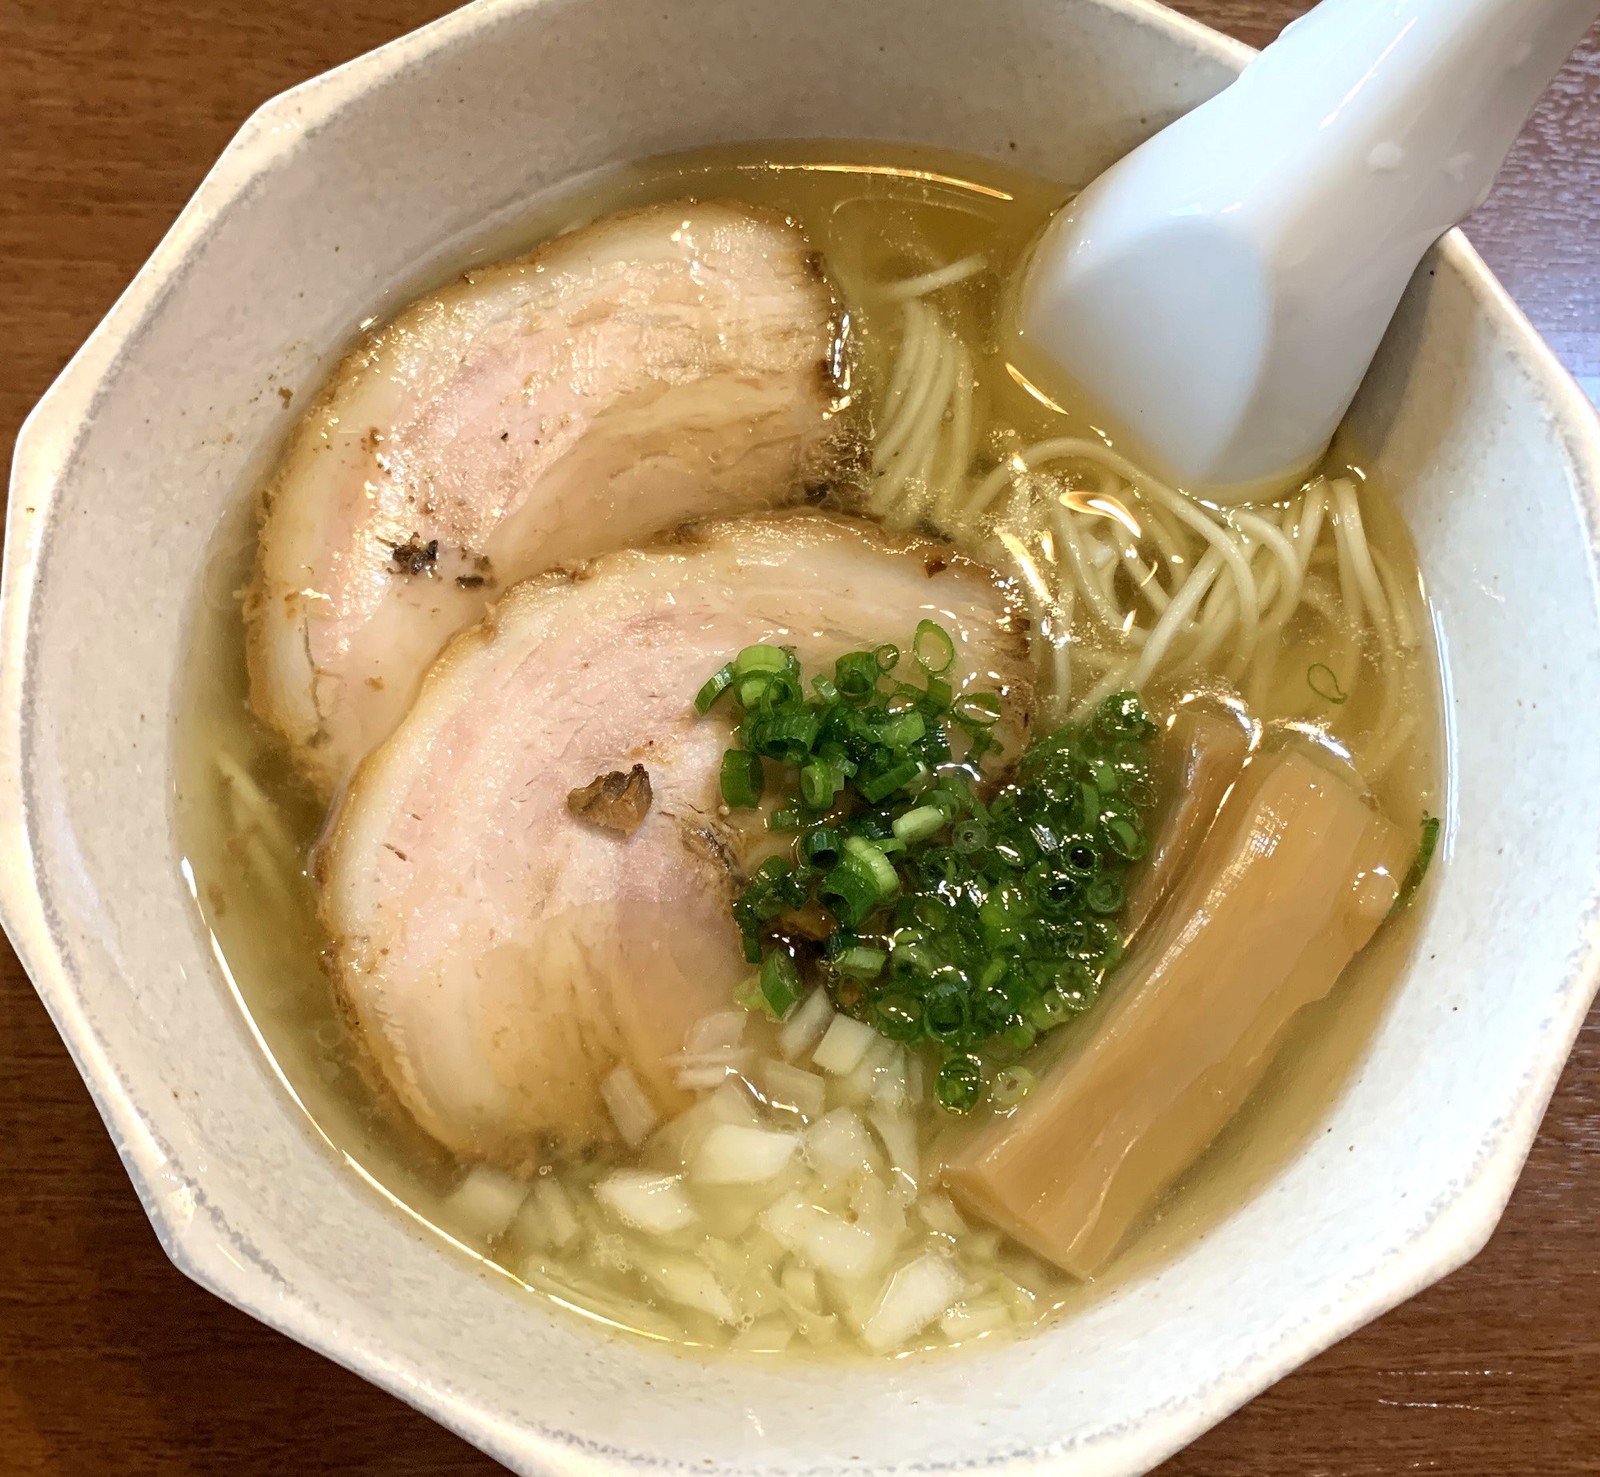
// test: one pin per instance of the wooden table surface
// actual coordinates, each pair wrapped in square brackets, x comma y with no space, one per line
[111,1362]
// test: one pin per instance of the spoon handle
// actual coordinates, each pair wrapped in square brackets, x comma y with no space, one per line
[1219,294]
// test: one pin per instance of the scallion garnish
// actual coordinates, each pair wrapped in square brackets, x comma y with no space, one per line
[716,684]
[1324,681]
[1418,871]
[820,847]
[874,863]
[742,779]
[763,659]
[934,650]
[921,823]
[961,913]
[862,962]
[780,983]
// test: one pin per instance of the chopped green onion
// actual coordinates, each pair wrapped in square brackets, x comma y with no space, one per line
[880,787]
[1051,1009]
[765,690]
[856,674]
[969,836]
[862,962]
[716,684]
[1105,894]
[743,779]
[821,847]
[763,659]
[1324,681]
[934,650]
[774,870]
[749,997]
[1122,716]
[979,709]
[786,735]
[780,982]
[849,893]
[899,1017]
[947,1004]
[1010,1086]
[901,732]
[973,924]
[982,744]
[1418,871]
[819,783]
[864,854]
[1079,856]
[1127,840]
[1020,1035]
[959,1084]
[921,823]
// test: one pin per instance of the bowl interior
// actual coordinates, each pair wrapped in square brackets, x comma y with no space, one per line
[332,199]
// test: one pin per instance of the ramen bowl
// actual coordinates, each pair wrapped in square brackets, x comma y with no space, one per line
[339,193]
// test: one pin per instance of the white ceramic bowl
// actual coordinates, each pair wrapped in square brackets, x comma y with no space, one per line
[337,192]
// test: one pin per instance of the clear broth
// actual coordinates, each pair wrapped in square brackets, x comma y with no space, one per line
[876,212]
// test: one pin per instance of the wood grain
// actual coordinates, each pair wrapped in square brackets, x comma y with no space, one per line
[111,1362]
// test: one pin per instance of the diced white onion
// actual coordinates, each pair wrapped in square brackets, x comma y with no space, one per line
[806,1025]
[692,1285]
[1023,1304]
[720,1031]
[786,1218]
[968,1320]
[629,1105]
[985,1245]
[918,1293]
[939,1214]
[731,1103]
[484,1203]
[737,1057]
[838,1146]
[859,1086]
[899,1137]
[734,1155]
[556,1212]
[823,1241]
[701,1079]
[799,1187]
[793,1088]
[799,1285]
[708,1070]
[656,1203]
[843,1045]
[878,1209]
[889,1082]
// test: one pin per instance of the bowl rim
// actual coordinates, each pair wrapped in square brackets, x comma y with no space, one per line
[45,450]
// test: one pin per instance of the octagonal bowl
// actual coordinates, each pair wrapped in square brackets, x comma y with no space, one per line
[342,190]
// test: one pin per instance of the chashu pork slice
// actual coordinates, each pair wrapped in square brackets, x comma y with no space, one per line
[499,949]
[661,365]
